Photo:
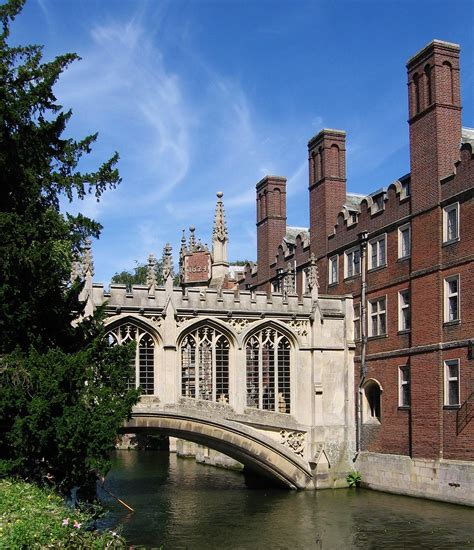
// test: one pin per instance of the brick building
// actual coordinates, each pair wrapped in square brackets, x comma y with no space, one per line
[406,254]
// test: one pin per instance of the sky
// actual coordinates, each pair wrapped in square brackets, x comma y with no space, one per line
[200,96]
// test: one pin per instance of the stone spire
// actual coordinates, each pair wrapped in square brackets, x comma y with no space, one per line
[313,277]
[87,261]
[87,266]
[167,262]
[220,238]
[289,280]
[182,250]
[151,274]
[220,227]
[192,239]
[76,269]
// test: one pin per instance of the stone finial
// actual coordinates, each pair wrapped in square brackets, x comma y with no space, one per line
[151,273]
[167,262]
[313,277]
[87,261]
[76,270]
[182,251]
[220,227]
[289,279]
[192,239]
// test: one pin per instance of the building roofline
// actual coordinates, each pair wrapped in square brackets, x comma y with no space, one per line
[440,43]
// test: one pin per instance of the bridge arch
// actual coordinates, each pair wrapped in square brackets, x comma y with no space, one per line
[253,449]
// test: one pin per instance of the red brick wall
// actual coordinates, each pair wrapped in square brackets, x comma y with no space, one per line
[441,175]
[327,185]
[271,223]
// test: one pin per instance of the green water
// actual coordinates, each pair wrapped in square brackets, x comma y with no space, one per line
[180,504]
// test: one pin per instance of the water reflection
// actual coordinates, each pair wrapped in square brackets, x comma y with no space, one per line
[181,504]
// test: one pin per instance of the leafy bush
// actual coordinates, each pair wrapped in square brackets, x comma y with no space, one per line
[37,518]
[354,478]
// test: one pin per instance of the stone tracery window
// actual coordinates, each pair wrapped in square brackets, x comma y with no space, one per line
[268,371]
[143,363]
[205,365]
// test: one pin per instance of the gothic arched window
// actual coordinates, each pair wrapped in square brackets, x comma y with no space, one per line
[205,365]
[143,363]
[268,371]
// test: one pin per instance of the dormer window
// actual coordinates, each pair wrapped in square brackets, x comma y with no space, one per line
[378,203]
[405,189]
[353,217]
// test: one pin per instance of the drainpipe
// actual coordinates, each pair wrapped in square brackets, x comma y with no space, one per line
[363,334]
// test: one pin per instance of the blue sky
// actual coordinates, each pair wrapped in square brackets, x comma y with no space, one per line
[201,96]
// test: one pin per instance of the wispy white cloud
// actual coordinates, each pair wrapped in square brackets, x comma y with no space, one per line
[124,87]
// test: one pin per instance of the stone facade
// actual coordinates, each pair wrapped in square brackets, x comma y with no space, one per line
[265,379]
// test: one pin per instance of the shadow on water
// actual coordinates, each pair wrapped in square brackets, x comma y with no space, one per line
[181,504]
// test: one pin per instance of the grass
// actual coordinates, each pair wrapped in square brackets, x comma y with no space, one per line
[31,517]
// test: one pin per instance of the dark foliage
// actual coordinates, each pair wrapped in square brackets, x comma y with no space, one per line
[63,393]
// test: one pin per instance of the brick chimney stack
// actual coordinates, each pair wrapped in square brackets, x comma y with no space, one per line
[327,185]
[434,118]
[271,222]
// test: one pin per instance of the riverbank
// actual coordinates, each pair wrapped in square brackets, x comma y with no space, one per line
[31,517]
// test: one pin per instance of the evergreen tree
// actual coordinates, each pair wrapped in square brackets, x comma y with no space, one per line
[63,391]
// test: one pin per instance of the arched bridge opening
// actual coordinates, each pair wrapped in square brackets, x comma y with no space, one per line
[243,443]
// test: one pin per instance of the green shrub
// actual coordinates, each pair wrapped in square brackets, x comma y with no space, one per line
[31,517]
[354,478]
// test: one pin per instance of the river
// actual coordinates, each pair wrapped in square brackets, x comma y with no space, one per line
[180,504]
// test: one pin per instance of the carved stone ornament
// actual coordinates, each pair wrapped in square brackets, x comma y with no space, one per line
[151,273]
[180,320]
[295,441]
[238,324]
[300,326]
[157,320]
[76,270]
[87,261]
[289,280]
[167,262]
[313,277]
[220,228]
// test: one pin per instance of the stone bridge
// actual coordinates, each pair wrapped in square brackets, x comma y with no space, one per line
[254,449]
[265,379]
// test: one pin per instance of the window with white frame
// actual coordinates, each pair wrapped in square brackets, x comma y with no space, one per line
[404,241]
[378,317]
[378,255]
[451,382]
[404,318]
[378,203]
[352,262]
[451,223]
[404,386]
[405,189]
[451,299]
[357,334]
[333,270]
